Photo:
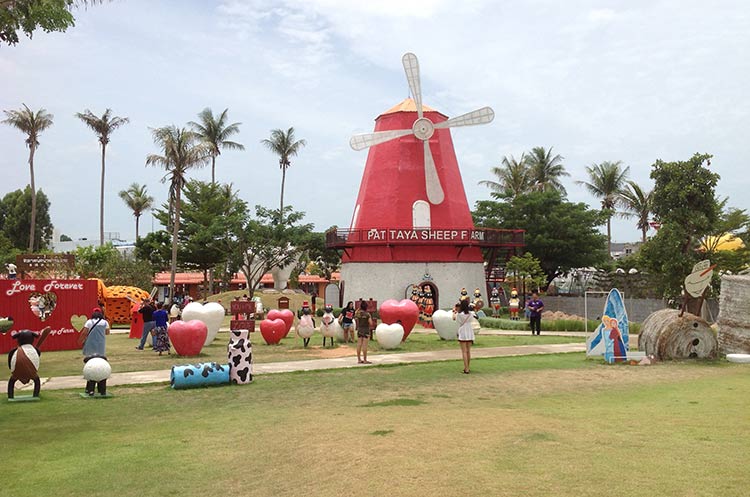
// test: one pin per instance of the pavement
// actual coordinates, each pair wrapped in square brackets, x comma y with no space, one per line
[162,376]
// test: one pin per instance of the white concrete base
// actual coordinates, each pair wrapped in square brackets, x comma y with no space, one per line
[383,281]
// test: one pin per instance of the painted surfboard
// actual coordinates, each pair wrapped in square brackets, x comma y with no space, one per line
[611,337]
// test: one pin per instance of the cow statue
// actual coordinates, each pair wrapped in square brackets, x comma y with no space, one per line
[23,361]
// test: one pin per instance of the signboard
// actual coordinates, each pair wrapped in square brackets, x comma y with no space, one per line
[242,324]
[34,304]
[242,307]
[423,235]
[45,262]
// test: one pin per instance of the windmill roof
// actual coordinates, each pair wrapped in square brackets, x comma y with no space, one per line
[408,105]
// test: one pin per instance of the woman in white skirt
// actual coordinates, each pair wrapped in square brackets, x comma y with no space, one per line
[465,332]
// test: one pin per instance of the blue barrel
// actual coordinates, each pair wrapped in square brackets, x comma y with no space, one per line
[204,374]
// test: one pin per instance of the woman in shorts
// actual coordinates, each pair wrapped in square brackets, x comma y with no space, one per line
[465,331]
[363,332]
[347,322]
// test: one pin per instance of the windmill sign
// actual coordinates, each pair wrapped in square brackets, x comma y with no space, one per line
[34,304]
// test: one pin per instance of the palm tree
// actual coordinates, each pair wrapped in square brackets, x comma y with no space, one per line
[284,145]
[606,182]
[103,126]
[513,178]
[637,203]
[181,152]
[138,200]
[214,131]
[545,170]
[32,124]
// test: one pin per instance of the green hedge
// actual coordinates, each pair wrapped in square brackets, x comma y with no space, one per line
[547,325]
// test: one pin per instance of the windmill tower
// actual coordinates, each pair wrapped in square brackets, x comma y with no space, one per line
[412,223]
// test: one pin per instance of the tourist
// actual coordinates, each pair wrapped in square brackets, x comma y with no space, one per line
[347,321]
[535,308]
[161,338]
[147,310]
[363,332]
[465,331]
[93,335]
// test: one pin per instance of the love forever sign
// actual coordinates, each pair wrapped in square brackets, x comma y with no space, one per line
[33,304]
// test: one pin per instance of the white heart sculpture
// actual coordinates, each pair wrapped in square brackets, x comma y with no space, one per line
[389,336]
[445,325]
[211,314]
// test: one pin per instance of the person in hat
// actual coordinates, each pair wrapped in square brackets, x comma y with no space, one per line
[93,336]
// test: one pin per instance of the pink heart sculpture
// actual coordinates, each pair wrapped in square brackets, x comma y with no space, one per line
[188,337]
[406,311]
[285,315]
[273,330]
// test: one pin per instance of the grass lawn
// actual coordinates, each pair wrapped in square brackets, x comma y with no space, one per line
[124,357]
[555,425]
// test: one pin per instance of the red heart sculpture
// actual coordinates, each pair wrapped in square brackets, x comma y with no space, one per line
[285,315]
[273,330]
[188,337]
[406,311]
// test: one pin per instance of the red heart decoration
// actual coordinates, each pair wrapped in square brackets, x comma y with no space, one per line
[188,337]
[273,330]
[406,311]
[285,315]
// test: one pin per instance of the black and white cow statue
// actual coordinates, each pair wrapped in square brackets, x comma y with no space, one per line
[23,361]
[240,355]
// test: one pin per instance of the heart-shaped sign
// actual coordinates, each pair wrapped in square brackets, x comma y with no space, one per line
[406,311]
[78,321]
[273,330]
[389,336]
[42,304]
[445,325]
[188,337]
[285,315]
[211,314]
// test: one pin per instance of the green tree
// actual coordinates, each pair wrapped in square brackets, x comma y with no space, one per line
[545,170]
[637,203]
[512,178]
[181,152]
[526,271]
[103,127]
[26,16]
[285,145]
[138,200]
[685,204]
[606,181]
[31,124]
[15,218]
[562,234]
[214,132]
[90,261]
[155,248]
[112,267]
[269,239]
[212,218]
[325,260]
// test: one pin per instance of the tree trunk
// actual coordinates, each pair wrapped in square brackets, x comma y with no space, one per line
[32,231]
[205,284]
[213,169]
[175,230]
[281,207]
[137,222]
[643,232]
[609,236]
[101,202]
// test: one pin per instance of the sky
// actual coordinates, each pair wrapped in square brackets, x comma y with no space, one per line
[633,81]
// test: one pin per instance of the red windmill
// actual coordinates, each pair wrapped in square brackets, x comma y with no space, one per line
[412,222]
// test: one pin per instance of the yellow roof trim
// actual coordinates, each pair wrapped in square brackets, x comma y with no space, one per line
[408,105]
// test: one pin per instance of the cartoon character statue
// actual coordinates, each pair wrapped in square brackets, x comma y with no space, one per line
[428,306]
[23,361]
[330,325]
[495,301]
[514,304]
[619,351]
[478,302]
[415,294]
[306,325]
[464,295]
[96,370]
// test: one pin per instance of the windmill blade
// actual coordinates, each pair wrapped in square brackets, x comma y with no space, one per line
[411,67]
[361,142]
[479,116]
[431,180]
